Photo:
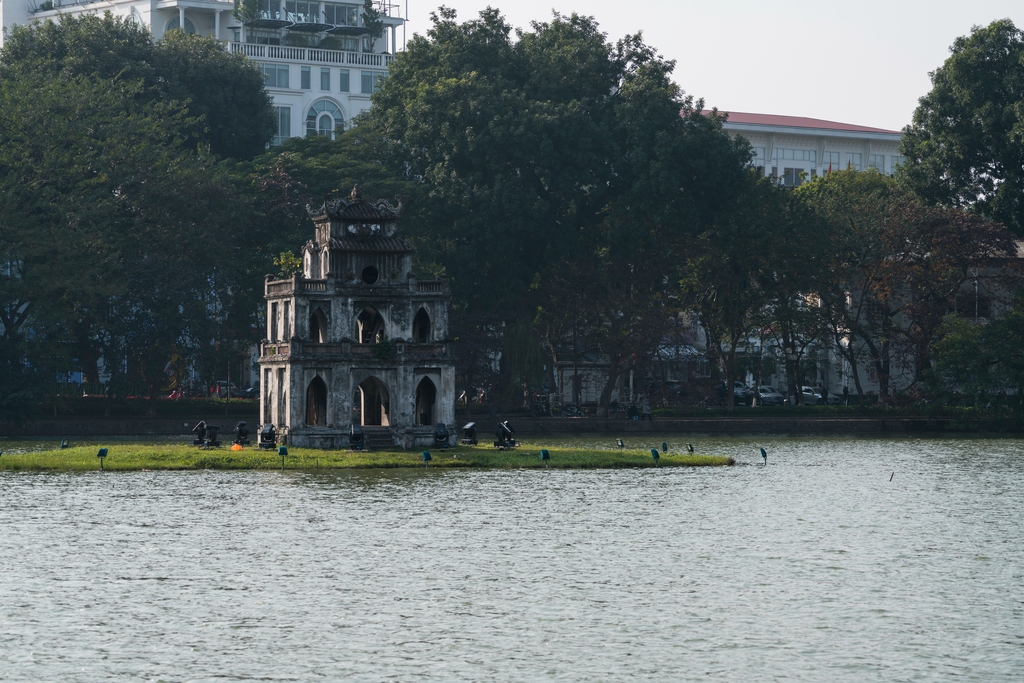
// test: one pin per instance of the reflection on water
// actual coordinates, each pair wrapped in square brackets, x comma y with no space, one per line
[814,568]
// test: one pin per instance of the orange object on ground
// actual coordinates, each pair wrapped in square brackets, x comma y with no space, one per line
[236,447]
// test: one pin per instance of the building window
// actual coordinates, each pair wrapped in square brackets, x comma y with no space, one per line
[791,177]
[275,75]
[830,160]
[341,15]
[877,161]
[758,160]
[284,124]
[304,78]
[854,161]
[175,23]
[794,155]
[896,162]
[324,118]
[343,85]
[371,81]
[269,9]
[325,79]
[302,12]
[262,36]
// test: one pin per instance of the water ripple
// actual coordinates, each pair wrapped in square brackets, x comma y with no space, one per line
[816,567]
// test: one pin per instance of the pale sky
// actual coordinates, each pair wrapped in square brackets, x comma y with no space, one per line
[861,61]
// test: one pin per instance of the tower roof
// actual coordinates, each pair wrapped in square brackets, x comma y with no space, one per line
[356,210]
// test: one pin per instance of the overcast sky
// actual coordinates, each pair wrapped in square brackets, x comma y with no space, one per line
[863,62]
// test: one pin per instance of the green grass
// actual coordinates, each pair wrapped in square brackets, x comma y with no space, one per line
[135,457]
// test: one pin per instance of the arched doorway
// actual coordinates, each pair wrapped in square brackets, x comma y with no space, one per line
[318,327]
[421,327]
[374,403]
[426,395]
[371,326]
[316,403]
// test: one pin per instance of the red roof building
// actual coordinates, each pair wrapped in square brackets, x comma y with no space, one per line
[795,148]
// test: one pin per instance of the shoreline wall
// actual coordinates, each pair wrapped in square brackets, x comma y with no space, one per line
[527,426]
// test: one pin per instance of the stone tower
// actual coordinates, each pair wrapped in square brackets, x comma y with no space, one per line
[356,338]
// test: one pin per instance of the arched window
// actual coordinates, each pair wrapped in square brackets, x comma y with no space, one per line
[371,326]
[324,118]
[426,394]
[316,403]
[175,23]
[318,327]
[421,327]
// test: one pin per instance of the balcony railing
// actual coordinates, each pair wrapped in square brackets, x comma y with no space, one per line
[294,285]
[285,53]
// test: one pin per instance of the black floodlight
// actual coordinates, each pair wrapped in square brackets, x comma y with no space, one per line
[441,436]
[211,436]
[504,434]
[200,431]
[64,444]
[469,433]
[242,433]
[268,437]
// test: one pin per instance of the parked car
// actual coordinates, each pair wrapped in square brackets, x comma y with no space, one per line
[769,396]
[742,394]
[811,396]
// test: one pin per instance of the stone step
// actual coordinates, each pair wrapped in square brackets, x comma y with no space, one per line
[378,439]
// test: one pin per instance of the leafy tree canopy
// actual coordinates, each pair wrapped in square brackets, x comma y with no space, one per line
[965,146]
[539,149]
[223,94]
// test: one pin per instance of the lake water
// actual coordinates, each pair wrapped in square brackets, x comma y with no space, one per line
[815,567]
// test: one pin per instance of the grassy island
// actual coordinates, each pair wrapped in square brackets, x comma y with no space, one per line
[136,457]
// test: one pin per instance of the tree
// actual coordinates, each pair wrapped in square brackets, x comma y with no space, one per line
[110,222]
[548,151]
[897,267]
[970,359]
[965,147]
[222,93]
[751,274]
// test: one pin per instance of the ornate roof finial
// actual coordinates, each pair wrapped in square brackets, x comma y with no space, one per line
[356,194]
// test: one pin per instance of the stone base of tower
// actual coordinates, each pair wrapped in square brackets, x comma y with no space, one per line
[375,438]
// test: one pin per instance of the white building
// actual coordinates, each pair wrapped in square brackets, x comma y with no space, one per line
[794,148]
[319,62]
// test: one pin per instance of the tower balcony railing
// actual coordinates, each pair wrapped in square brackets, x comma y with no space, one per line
[314,55]
[404,351]
[293,285]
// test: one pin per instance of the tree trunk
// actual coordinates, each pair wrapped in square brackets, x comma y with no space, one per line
[606,392]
